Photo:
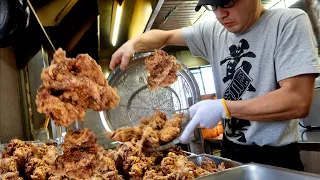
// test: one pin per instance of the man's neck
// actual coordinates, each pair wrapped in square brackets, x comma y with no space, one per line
[256,16]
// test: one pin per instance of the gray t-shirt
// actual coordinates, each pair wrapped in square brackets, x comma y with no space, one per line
[247,65]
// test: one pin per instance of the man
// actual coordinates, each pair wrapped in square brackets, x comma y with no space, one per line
[264,64]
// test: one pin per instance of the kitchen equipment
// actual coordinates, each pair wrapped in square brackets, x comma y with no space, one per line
[14,19]
[197,159]
[254,171]
[137,101]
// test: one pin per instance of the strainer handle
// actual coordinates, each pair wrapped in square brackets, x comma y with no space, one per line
[141,55]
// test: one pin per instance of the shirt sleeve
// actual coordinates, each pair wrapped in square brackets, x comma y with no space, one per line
[296,52]
[197,39]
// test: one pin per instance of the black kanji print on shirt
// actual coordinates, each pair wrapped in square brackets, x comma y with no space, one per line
[239,82]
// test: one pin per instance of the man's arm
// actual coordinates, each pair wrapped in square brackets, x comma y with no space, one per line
[148,41]
[155,39]
[292,100]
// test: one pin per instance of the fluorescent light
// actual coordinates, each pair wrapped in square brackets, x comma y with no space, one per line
[107,75]
[116,25]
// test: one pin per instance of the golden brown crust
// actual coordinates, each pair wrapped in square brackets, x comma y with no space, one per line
[72,85]
[163,69]
[83,158]
[21,160]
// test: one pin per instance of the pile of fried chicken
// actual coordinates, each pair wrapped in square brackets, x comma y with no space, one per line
[72,85]
[162,68]
[83,158]
[135,163]
[21,160]
[151,132]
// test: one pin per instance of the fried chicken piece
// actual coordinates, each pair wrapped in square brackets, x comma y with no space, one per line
[79,139]
[169,133]
[176,150]
[162,68]
[19,150]
[181,167]
[83,158]
[175,122]
[209,165]
[106,169]
[29,160]
[8,165]
[157,121]
[152,132]
[150,137]
[51,154]
[125,134]
[11,176]
[75,164]
[37,169]
[72,85]
[171,129]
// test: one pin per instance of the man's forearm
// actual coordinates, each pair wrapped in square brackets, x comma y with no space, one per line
[156,39]
[288,102]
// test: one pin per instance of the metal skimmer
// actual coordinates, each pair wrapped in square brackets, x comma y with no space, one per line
[137,101]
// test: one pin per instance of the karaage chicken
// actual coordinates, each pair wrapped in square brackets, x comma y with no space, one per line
[72,85]
[163,69]
[83,158]
[21,160]
[152,132]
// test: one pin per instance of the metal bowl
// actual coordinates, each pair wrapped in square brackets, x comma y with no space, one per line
[137,101]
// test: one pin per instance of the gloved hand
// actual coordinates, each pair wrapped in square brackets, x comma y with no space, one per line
[206,114]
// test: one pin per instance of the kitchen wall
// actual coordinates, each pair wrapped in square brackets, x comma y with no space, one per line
[187,59]
[11,123]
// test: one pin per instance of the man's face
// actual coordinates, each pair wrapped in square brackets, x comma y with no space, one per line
[240,17]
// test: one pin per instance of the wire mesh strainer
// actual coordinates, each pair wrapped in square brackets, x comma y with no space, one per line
[137,101]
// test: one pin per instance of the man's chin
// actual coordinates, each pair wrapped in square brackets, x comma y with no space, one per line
[233,29]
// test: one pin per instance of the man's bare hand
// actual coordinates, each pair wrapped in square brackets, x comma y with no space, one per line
[122,56]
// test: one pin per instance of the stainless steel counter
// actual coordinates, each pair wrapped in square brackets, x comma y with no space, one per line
[260,172]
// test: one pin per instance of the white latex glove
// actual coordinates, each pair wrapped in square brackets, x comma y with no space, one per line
[206,114]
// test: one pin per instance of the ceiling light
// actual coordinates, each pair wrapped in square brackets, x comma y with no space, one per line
[107,75]
[116,25]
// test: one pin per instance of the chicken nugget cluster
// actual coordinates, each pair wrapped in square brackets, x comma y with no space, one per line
[72,85]
[163,69]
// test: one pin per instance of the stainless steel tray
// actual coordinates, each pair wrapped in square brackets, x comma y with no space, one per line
[255,171]
[197,159]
